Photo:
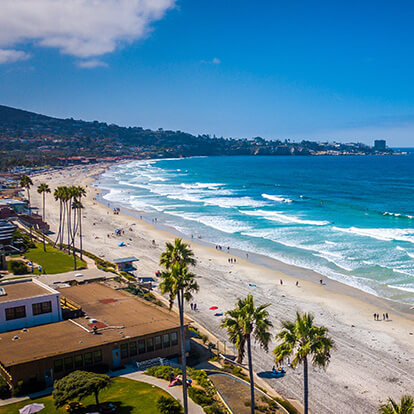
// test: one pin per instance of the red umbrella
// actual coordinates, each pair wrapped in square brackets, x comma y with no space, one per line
[213,308]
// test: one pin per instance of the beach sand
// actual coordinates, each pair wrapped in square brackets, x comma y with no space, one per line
[372,360]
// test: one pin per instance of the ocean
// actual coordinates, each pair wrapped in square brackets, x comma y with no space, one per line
[350,218]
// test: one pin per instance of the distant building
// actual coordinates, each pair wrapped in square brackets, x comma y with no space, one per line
[125,264]
[6,233]
[380,145]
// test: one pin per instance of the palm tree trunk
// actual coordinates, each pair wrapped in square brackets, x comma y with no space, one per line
[28,199]
[249,356]
[73,240]
[80,233]
[60,223]
[96,398]
[305,385]
[44,241]
[183,356]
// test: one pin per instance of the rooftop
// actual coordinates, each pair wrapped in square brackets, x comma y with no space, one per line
[123,315]
[23,289]
[126,260]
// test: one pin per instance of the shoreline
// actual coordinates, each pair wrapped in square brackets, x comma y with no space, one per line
[294,271]
[373,359]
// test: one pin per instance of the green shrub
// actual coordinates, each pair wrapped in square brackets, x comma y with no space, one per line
[163,372]
[200,396]
[200,376]
[4,388]
[214,408]
[168,405]
[286,404]
[17,267]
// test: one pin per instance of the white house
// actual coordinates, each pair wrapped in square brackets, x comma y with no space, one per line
[27,302]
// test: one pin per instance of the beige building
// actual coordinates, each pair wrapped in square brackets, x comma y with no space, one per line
[116,328]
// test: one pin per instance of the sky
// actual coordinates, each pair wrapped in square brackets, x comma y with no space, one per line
[320,70]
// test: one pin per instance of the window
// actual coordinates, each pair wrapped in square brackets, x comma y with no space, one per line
[166,340]
[141,346]
[68,362]
[174,339]
[15,313]
[132,348]
[158,344]
[58,365]
[124,351]
[97,356]
[78,361]
[150,345]
[42,307]
[88,359]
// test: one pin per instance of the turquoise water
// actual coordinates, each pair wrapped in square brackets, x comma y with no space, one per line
[350,218]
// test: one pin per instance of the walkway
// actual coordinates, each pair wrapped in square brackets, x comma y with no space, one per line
[176,392]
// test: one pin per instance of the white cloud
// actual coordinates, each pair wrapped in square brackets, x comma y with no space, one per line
[82,28]
[214,61]
[11,55]
[92,63]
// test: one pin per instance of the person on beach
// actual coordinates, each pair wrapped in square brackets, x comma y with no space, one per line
[375,316]
[297,283]
[281,281]
[195,306]
[192,306]
[386,315]
[321,281]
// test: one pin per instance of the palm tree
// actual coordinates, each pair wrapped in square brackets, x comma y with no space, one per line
[177,252]
[79,193]
[392,407]
[58,195]
[26,182]
[243,322]
[302,339]
[43,189]
[179,283]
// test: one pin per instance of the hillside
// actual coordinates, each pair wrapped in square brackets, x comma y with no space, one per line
[27,138]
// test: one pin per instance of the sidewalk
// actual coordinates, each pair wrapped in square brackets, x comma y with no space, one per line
[176,392]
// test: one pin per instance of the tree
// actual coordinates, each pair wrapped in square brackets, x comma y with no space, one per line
[179,283]
[243,322]
[406,406]
[43,189]
[78,385]
[302,339]
[177,252]
[26,182]
[79,193]
[169,405]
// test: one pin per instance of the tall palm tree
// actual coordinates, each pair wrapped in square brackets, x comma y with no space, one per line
[243,322]
[179,283]
[58,195]
[43,189]
[392,407]
[79,193]
[177,252]
[302,339]
[26,182]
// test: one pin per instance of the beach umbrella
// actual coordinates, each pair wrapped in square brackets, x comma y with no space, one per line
[213,308]
[31,408]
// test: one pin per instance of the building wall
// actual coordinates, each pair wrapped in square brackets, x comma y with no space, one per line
[30,319]
[36,370]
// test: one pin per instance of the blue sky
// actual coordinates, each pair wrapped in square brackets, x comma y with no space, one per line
[277,69]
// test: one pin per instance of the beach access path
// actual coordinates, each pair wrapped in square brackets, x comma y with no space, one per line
[372,360]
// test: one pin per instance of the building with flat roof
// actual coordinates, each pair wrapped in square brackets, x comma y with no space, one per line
[380,145]
[27,302]
[116,328]
[126,263]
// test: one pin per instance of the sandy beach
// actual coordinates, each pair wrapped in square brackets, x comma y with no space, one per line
[372,360]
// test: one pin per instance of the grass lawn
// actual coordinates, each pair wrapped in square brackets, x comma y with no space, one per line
[129,396]
[53,260]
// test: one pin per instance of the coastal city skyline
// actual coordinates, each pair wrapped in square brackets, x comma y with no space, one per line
[279,71]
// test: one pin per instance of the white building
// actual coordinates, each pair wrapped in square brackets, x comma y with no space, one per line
[27,302]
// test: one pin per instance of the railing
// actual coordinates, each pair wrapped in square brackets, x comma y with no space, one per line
[69,304]
[6,373]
